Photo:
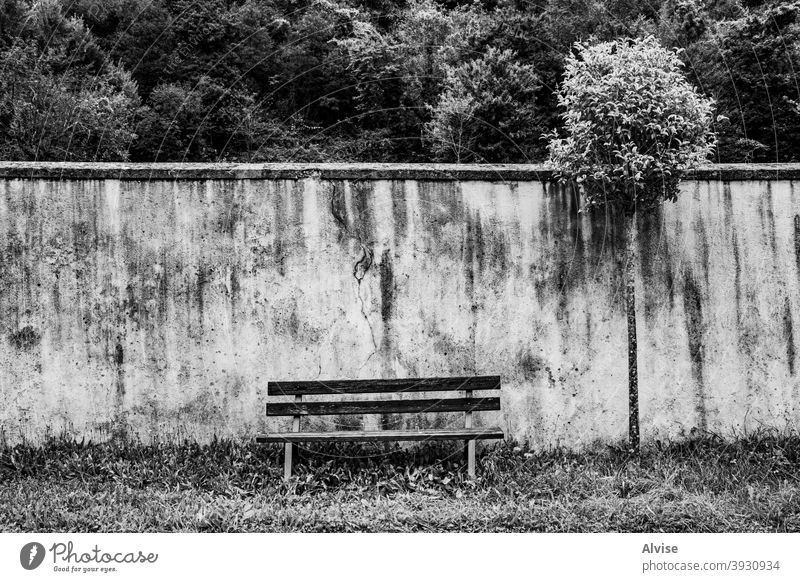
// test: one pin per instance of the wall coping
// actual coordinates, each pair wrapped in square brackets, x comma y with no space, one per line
[295,171]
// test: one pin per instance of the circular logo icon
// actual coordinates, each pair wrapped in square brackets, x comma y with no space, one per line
[31,555]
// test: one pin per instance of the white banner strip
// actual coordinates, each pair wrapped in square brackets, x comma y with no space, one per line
[399,557]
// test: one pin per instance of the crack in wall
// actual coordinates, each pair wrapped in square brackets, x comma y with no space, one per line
[362,265]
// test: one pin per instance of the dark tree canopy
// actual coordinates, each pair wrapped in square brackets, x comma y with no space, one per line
[362,80]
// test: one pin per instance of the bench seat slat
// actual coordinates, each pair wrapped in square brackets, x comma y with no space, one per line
[384,435]
[292,388]
[382,406]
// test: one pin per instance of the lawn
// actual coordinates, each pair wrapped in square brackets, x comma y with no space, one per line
[704,485]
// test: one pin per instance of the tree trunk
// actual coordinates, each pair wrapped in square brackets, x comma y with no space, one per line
[630,306]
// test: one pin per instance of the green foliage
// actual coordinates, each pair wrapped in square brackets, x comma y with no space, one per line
[204,121]
[633,123]
[749,65]
[60,99]
[488,111]
[397,74]
[569,21]
[682,22]
[365,80]
[51,112]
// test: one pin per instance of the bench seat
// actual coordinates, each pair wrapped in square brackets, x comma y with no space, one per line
[492,432]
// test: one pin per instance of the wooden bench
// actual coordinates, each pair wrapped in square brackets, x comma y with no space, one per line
[468,404]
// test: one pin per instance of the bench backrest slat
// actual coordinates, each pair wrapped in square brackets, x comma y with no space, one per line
[304,388]
[382,406]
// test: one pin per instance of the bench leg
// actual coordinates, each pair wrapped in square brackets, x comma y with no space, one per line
[471,442]
[290,447]
[287,461]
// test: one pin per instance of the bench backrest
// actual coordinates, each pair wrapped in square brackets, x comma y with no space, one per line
[412,385]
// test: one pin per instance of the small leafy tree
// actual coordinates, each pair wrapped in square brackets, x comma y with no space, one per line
[634,124]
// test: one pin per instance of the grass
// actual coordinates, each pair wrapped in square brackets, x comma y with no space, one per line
[703,485]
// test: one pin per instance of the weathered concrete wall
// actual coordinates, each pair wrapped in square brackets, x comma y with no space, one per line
[161,307]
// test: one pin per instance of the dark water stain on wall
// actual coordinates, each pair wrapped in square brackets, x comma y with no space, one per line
[797,243]
[702,244]
[695,331]
[730,227]
[469,260]
[766,216]
[294,324]
[747,322]
[479,246]
[57,310]
[536,376]
[743,343]
[737,277]
[118,363]
[534,367]
[201,409]
[84,239]
[655,258]
[234,216]
[357,227]
[558,231]
[727,206]
[287,319]
[89,245]
[568,250]
[603,251]
[788,327]
[10,268]
[397,191]
[230,208]
[236,290]
[491,251]
[278,230]
[339,210]
[387,286]
[772,232]
[155,294]
[202,279]
[442,209]
[670,285]
[362,193]
[457,353]
[26,339]
[648,254]
[298,218]
[134,302]
[145,304]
